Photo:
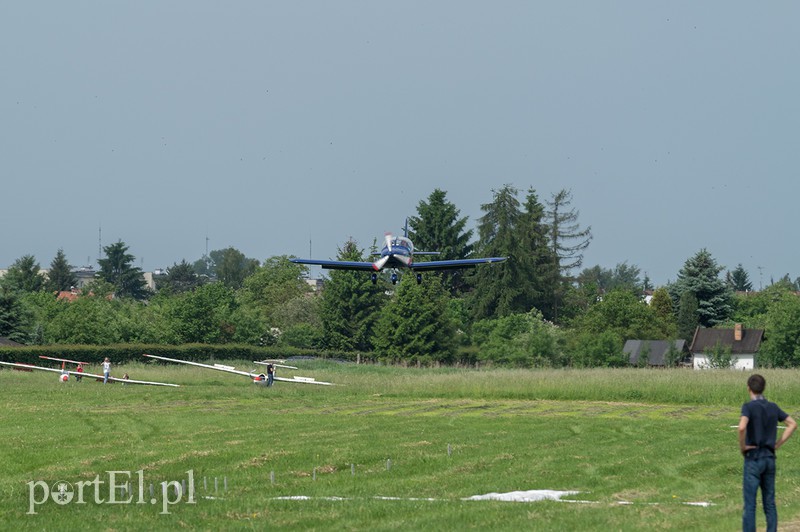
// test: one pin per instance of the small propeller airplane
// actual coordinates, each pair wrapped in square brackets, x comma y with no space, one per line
[65,373]
[258,378]
[398,253]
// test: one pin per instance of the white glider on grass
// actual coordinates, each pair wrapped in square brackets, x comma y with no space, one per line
[258,378]
[29,367]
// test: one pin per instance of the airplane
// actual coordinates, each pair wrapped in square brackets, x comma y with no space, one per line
[258,378]
[64,373]
[398,253]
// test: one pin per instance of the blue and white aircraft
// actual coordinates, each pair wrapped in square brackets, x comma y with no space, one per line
[398,253]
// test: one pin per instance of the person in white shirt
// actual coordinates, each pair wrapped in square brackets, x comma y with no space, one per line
[106,369]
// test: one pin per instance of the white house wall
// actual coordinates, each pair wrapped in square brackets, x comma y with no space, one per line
[740,362]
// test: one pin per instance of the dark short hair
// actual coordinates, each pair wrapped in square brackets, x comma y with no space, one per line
[756,383]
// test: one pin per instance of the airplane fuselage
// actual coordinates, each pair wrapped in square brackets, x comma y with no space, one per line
[397,253]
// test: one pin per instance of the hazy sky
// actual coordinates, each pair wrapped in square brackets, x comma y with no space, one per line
[268,125]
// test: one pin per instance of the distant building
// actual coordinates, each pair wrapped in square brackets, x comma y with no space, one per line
[315,284]
[85,275]
[657,352]
[742,343]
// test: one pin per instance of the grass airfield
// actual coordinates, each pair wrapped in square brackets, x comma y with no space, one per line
[390,448]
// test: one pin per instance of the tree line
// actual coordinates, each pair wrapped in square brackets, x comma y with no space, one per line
[539,308]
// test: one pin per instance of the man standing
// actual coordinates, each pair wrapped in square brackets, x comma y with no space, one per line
[106,369]
[758,429]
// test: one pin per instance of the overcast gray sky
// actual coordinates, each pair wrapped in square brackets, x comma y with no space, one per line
[266,125]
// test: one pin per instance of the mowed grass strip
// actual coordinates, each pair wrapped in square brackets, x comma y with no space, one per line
[656,439]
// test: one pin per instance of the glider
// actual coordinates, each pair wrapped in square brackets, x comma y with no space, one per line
[64,360]
[397,253]
[258,378]
[28,367]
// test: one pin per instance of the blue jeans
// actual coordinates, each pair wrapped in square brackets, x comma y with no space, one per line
[759,472]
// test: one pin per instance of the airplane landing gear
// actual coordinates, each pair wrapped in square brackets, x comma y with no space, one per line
[394,278]
[419,278]
[374,278]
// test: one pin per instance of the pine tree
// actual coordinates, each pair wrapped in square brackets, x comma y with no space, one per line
[536,256]
[437,227]
[14,318]
[687,316]
[117,269]
[416,324]
[700,276]
[738,280]
[24,275]
[350,305]
[567,254]
[181,277]
[60,277]
[499,291]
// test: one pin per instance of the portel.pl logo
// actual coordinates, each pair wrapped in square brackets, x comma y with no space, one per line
[121,487]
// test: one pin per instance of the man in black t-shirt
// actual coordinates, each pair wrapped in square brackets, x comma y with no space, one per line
[758,430]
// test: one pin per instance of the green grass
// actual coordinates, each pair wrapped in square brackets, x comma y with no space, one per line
[656,439]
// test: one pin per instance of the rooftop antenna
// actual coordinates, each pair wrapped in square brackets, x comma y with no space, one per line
[99,241]
[206,244]
[760,278]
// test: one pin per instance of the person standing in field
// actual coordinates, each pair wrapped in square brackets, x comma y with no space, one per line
[106,369]
[270,374]
[758,430]
[80,370]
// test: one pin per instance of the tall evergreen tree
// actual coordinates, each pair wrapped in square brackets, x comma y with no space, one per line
[14,318]
[700,276]
[738,280]
[60,277]
[350,305]
[500,291]
[567,242]
[687,320]
[416,323]
[117,269]
[24,275]
[536,256]
[437,227]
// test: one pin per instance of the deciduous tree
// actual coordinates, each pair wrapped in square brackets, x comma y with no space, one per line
[231,267]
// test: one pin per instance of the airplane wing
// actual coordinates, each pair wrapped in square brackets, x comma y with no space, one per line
[337,264]
[267,363]
[84,374]
[218,367]
[257,377]
[64,360]
[452,264]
